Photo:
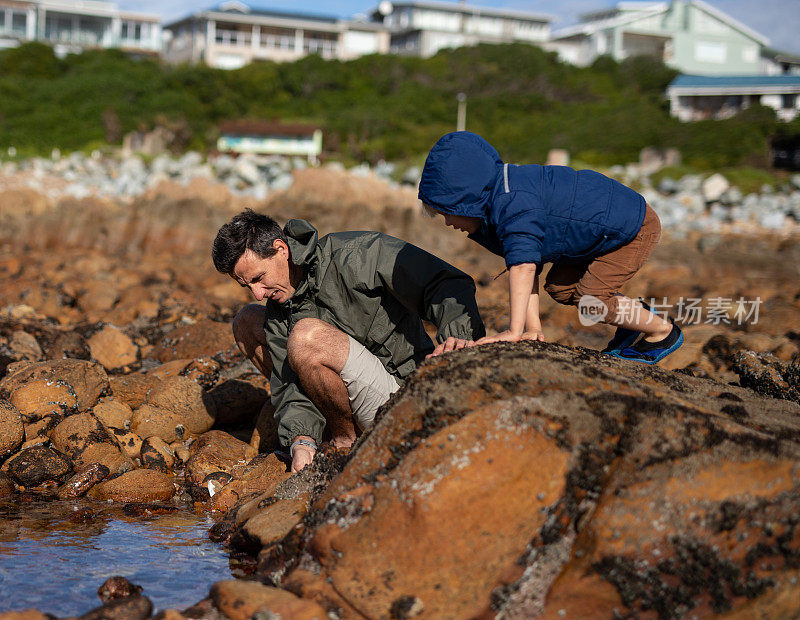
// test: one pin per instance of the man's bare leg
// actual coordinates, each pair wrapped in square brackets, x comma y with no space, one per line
[248,331]
[317,352]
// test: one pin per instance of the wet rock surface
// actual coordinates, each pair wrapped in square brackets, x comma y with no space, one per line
[139,485]
[37,465]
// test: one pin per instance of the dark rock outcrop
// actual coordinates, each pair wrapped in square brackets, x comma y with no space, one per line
[536,480]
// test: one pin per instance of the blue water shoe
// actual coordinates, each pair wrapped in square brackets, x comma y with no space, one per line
[651,352]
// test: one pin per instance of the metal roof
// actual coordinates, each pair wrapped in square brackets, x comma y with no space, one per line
[458,7]
[717,81]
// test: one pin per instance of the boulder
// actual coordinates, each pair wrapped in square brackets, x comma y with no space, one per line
[238,401]
[87,380]
[83,480]
[75,432]
[69,345]
[216,451]
[153,421]
[534,480]
[261,475]
[129,442]
[12,431]
[113,413]
[714,187]
[130,608]
[113,348]
[132,389]
[272,523]
[41,428]
[174,408]
[36,465]
[205,338]
[241,600]
[105,454]
[24,346]
[139,485]
[26,614]
[156,454]
[115,588]
[39,398]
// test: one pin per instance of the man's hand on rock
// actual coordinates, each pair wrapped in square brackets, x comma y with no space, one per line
[302,453]
[451,344]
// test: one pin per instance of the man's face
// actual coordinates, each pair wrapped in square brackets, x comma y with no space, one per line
[267,278]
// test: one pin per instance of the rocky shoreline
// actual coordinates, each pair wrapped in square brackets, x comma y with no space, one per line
[529,480]
[706,203]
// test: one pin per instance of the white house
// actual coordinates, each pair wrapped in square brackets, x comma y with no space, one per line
[423,28]
[689,35]
[697,97]
[72,26]
[233,34]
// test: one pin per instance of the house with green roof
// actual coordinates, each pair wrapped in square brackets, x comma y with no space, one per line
[689,35]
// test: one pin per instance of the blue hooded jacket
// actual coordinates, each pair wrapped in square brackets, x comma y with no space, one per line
[530,214]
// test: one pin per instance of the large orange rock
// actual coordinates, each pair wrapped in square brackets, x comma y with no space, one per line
[139,485]
[174,408]
[204,338]
[113,413]
[113,348]
[216,451]
[87,381]
[75,432]
[240,600]
[261,475]
[532,480]
[39,398]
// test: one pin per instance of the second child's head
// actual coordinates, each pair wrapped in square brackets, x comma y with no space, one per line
[460,222]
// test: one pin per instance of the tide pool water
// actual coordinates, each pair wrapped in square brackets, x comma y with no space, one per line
[54,555]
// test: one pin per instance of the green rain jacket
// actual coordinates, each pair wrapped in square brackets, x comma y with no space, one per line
[374,288]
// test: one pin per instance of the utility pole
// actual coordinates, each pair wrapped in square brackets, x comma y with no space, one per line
[461,121]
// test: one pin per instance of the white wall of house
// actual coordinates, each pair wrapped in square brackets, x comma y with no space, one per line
[689,35]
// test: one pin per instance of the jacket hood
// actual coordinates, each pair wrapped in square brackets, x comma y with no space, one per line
[302,241]
[460,174]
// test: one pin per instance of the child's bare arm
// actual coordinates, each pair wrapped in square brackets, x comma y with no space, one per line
[533,323]
[524,305]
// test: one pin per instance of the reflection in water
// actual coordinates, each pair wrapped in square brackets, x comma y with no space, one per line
[55,554]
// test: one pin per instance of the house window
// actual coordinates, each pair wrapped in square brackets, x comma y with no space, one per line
[750,54]
[788,101]
[19,23]
[711,51]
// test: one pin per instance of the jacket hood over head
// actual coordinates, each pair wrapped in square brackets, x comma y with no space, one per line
[460,174]
[302,241]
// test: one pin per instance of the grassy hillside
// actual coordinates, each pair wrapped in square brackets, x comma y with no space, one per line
[521,98]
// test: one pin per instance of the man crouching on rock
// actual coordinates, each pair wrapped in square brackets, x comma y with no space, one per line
[342,324]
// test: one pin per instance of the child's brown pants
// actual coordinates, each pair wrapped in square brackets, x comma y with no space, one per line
[603,276]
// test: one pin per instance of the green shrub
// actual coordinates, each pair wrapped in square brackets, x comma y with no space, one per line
[520,98]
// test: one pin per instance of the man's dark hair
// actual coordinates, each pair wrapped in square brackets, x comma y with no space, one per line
[247,231]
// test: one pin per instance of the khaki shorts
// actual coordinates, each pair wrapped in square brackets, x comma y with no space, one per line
[368,384]
[603,276]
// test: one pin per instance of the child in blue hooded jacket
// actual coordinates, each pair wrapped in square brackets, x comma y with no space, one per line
[597,233]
